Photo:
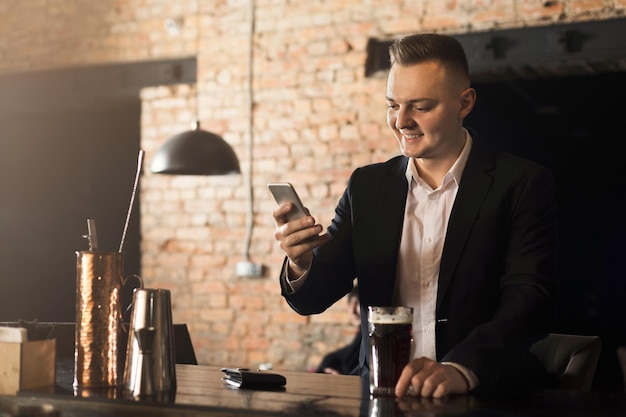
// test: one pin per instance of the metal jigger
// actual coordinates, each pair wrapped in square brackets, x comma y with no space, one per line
[144,382]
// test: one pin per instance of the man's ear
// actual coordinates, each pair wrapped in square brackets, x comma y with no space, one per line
[468,99]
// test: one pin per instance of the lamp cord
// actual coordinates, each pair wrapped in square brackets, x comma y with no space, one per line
[250,211]
[195,125]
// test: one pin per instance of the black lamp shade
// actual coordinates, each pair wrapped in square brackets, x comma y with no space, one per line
[195,152]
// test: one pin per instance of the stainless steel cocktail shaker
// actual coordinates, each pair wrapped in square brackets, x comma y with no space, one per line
[150,368]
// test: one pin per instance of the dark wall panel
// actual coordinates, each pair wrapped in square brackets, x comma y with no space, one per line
[574,126]
[60,166]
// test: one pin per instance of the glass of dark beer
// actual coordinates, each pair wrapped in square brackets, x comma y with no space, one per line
[390,338]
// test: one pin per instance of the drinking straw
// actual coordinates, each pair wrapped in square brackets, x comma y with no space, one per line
[132,197]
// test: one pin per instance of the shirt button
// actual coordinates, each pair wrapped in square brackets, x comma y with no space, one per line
[425,284]
[427,240]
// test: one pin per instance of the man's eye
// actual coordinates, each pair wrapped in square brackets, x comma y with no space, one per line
[392,106]
[422,108]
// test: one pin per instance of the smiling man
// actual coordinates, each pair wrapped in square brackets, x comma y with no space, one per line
[463,233]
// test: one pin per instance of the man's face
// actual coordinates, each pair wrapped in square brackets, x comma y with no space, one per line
[426,108]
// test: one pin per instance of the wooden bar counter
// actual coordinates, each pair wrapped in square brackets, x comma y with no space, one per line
[201,392]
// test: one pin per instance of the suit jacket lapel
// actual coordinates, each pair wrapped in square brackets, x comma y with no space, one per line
[474,186]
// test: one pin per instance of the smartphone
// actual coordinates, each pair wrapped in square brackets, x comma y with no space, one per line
[283,192]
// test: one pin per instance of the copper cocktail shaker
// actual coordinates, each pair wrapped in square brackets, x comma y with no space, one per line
[99,280]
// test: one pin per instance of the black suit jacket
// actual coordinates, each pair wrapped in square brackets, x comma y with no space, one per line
[498,277]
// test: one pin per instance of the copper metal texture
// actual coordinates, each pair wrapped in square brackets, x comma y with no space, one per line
[99,280]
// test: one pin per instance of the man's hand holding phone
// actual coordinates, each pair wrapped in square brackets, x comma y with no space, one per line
[296,230]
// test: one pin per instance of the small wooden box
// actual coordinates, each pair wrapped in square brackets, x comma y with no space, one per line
[27,365]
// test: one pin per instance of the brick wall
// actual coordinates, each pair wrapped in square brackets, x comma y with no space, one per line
[315,119]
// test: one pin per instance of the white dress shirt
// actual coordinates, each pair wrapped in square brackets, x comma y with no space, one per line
[423,233]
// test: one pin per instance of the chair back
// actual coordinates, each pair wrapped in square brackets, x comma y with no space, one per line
[571,359]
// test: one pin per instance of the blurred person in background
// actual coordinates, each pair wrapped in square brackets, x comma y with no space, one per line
[345,360]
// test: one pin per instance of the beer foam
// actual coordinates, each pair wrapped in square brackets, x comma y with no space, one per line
[395,315]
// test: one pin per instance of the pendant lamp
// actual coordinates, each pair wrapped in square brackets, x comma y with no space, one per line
[195,152]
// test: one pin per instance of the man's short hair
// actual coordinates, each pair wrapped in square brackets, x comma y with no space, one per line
[422,47]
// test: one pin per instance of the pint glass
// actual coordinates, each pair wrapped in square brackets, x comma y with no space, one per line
[390,338]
